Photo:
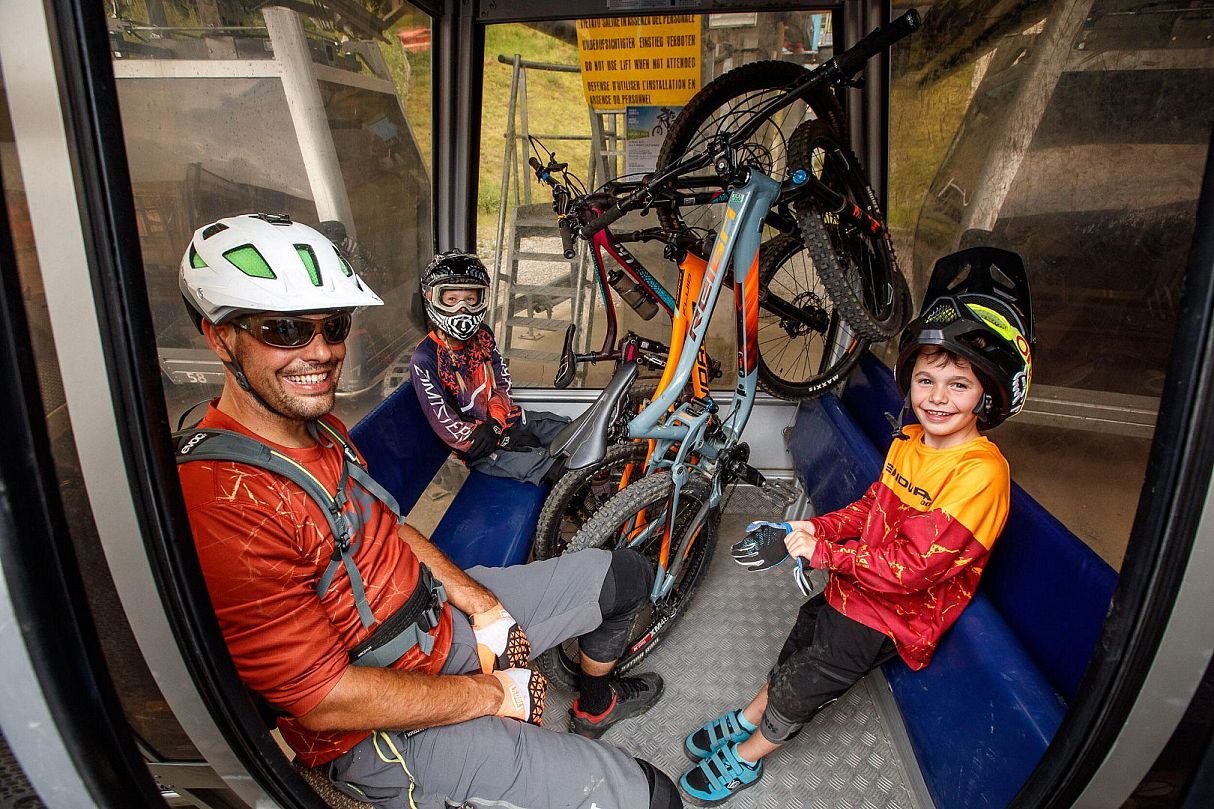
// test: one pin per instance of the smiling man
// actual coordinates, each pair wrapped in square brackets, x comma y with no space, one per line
[405,676]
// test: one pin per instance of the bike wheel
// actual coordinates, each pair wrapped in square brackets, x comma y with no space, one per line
[579,495]
[857,266]
[725,103]
[649,497]
[797,355]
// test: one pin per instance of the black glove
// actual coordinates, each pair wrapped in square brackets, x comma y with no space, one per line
[763,547]
[485,439]
[518,438]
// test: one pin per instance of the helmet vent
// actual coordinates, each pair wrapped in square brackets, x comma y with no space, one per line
[196,260]
[211,230]
[941,315]
[346,269]
[1000,278]
[246,259]
[960,278]
[309,261]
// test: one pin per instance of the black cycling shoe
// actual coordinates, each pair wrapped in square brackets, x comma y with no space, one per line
[631,696]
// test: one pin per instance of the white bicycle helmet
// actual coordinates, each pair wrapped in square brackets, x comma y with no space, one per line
[266,263]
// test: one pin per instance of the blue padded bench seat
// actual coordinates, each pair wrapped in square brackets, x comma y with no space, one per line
[490,522]
[981,715]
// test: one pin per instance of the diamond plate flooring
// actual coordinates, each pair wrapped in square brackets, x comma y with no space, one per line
[843,758]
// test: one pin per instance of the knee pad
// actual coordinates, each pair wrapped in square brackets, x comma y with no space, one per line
[625,589]
[627,585]
[778,728]
[662,792]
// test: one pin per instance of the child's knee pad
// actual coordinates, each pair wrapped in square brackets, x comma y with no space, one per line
[778,728]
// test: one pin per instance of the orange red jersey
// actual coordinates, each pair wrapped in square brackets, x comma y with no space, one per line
[906,558]
[263,544]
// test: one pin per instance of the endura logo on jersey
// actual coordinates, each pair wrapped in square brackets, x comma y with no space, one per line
[903,482]
[434,397]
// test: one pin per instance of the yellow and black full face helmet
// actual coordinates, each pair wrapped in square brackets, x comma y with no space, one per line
[977,305]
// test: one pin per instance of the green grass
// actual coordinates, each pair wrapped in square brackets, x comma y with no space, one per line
[924,119]
[555,105]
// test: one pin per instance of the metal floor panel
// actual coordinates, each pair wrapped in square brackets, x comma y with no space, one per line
[717,658]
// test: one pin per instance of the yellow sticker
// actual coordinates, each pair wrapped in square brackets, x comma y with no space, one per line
[639,61]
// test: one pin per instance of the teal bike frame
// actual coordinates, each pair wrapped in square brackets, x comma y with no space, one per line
[686,426]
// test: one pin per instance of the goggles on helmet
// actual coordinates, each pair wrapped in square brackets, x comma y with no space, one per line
[436,294]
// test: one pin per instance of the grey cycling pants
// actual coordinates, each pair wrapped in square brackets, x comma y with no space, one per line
[495,762]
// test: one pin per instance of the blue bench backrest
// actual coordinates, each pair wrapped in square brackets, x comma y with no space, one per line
[490,521]
[401,450]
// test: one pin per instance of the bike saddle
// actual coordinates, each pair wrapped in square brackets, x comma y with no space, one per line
[583,441]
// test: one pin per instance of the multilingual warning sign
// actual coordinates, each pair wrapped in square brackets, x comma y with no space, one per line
[639,61]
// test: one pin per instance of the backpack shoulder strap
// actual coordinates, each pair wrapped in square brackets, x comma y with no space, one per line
[212,444]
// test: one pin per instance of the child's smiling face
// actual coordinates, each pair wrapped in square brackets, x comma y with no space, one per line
[944,393]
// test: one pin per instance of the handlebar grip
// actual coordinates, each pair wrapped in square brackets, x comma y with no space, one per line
[608,216]
[566,228]
[851,60]
[535,163]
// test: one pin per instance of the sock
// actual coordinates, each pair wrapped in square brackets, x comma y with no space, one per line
[747,762]
[594,694]
[746,723]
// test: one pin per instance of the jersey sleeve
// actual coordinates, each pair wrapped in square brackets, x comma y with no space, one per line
[846,522]
[928,547]
[442,416]
[284,645]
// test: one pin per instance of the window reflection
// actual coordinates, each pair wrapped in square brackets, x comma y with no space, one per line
[229,113]
[1067,132]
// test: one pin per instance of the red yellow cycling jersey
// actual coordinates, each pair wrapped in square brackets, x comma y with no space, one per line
[906,558]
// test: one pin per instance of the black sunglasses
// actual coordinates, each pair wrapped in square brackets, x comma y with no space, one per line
[285,331]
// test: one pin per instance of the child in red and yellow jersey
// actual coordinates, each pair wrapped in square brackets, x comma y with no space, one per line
[905,559]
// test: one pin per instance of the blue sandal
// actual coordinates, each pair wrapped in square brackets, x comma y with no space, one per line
[731,727]
[719,777]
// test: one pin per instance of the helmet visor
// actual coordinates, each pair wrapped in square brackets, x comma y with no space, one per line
[452,299]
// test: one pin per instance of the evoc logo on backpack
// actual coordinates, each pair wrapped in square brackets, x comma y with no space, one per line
[193,442]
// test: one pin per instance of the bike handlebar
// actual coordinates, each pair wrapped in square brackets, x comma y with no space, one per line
[603,220]
[879,39]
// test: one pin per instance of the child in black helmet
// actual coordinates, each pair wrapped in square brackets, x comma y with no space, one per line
[905,559]
[462,382]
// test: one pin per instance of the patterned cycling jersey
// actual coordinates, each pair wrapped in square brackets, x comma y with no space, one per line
[263,544]
[906,558]
[459,385]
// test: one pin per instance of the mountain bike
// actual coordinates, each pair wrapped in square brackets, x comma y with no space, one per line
[798,323]
[693,451]
[766,109]
[805,347]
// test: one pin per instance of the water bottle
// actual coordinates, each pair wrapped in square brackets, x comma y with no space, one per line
[633,294]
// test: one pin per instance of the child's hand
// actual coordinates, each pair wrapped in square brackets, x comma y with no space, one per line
[485,439]
[518,439]
[801,542]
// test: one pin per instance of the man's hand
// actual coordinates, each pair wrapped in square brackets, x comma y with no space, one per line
[518,438]
[523,695]
[763,547]
[485,439]
[500,641]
